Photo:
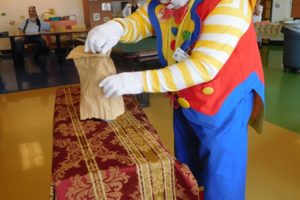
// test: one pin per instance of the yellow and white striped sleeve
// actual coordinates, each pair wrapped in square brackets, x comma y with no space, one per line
[221,32]
[137,26]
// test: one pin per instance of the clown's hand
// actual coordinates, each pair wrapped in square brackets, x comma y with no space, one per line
[103,37]
[123,83]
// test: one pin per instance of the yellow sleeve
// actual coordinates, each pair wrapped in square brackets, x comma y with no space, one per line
[221,32]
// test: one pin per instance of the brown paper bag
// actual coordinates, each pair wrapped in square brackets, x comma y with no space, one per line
[92,68]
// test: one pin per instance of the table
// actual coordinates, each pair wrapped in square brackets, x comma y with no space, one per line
[268,30]
[137,57]
[57,35]
[141,53]
[122,159]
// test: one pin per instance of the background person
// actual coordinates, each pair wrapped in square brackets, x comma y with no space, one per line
[258,10]
[257,18]
[130,8]
[31,26]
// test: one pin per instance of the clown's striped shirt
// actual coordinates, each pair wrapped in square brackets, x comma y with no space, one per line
[221,31]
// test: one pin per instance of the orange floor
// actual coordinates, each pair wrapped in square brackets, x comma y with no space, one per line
[26,149]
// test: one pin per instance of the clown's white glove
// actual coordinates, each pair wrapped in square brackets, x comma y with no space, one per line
[123,83]
[103,37]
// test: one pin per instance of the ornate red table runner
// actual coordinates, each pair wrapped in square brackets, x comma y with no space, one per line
[123,159]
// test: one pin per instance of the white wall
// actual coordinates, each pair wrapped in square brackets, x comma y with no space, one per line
[281,9]
[15,9]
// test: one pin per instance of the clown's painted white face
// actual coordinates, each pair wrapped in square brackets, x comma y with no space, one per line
[174,4]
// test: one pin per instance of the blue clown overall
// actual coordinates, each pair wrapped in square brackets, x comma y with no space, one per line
[213,67]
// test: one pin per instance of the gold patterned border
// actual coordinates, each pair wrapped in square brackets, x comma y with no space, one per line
[149,156]
[94,172]
[166,160]
[143,168]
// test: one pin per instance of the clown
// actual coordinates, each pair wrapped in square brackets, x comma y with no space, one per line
[212,66]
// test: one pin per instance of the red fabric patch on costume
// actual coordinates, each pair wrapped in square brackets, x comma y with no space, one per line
[173,42]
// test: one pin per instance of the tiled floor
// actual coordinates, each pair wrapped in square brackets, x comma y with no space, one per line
[36,74]
[282,90]
[26,130]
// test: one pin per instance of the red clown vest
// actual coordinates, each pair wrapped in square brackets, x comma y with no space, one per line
[241,74]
